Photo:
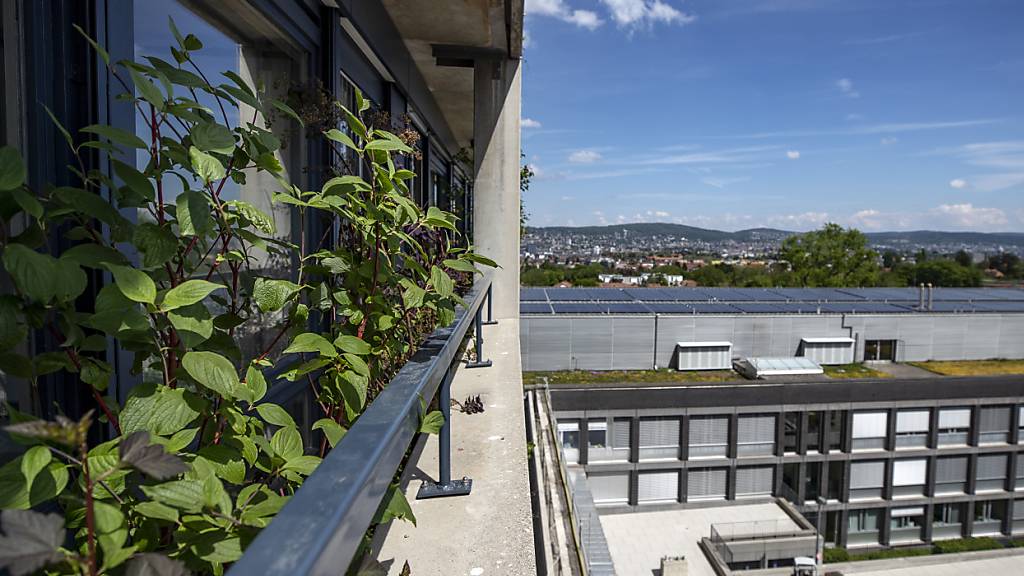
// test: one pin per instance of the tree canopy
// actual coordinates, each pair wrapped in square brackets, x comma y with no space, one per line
[833,256]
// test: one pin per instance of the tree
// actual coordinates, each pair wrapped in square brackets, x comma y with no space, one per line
[525,174]
[890,259]
[945,273]
[833,256]
[964,258]
[1007,263]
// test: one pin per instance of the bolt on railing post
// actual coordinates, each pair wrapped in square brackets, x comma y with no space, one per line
[478,327]
[445,486]
[490,298]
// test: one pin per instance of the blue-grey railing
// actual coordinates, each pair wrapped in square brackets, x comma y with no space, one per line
[321,527]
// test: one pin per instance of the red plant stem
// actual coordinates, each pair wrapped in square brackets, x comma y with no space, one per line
[95,393]
[90,514]
[275,341]
[154,136]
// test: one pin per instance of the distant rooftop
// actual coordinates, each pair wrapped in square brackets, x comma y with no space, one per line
[547,301]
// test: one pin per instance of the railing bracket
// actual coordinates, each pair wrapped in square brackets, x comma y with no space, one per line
[437,490]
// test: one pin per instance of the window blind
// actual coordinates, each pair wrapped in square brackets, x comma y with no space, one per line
[706,484]
[755,429]
[609,487]
[867,474]
[909,472]
[870,424]
[951,418]
[951,470]
[620,433]
[911,421]
[991,467]
[656,432]
[754,480]
[658,486]
[709,430]
[994,419]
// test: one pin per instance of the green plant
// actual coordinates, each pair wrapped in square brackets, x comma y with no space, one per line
[833,555]
[966,545]
[198,463]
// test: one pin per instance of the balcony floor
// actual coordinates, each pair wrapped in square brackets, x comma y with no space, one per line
[491,530]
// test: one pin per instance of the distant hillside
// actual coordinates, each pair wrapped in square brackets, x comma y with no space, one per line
[771,234]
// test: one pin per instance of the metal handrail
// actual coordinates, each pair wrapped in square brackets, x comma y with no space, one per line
[320,529]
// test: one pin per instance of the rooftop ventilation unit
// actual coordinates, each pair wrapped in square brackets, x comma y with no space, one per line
[704,355]
[825,351]
[755,368]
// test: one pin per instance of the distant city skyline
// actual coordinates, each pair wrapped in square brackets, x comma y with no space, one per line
[733,114]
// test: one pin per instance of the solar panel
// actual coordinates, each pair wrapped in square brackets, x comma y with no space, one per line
[532,295]
[651,294]
[627,308]
[685,294]
[882,294]
[757,295]
[1000,294]
[861,308]
[948,306]
[578,308]
[669,308]
[1003,306]
[608,295]
[756,307]
[712,308]
[567,294]
[534,308]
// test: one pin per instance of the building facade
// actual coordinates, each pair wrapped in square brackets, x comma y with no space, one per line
[885,462]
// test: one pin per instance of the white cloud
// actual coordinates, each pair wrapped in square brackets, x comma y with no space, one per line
[1002,160]
[584,157]
[530,123]
[636,13]
[964,216]
[792,154]
[559,9]
[958,183]
[845,86]
[888,140]
[801,221]
[661,214]
[721,183]
[969,216]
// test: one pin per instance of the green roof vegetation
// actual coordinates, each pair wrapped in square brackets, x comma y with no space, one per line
[973,367]
[613,377]
[853,371]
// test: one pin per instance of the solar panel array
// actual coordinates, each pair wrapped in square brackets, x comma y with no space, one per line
[539,301]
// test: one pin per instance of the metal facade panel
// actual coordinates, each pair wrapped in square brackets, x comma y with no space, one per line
[1011,336]
[754,480]
[948,337]
[609,487]
[915,338]
[658,486]
[633,343]
[550,347]
[706,484]
[672,329]
[982,339]
[591,344]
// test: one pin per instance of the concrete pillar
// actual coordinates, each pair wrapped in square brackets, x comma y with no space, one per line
[634,487]
[1012,483]
[496,145]
[634,440]
[684,438]
[933,428]
[825,429]
[890,435]
[683,476]
[801,434]
[884,527]
[584,442]
[973,433]
[780,434]
[929,513]
[730,449]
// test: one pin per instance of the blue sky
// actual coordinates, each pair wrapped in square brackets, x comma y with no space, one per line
[731,114]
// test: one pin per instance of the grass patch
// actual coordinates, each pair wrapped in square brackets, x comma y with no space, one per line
[613,377]
[852,371]
[972,367]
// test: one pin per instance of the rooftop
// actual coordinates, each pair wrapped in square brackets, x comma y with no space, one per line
[547,301]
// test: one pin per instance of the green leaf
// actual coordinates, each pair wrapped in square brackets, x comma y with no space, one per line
[184,495]
[353,389]
[194,324]
[69,280]
[441,282]
[334,431]
[27,202]
[159,409]
[193,213]
[15,491]
[271,294]
[152,564]
[304,465]
[12,168]
[261,221]
[116,135]
[33,273]
[135,180]
[461,266]
[157,511]
[135,284]
[432,422]
[92,255]
[158,244]
[108,517]
[352,345]
[149,91]
[33,461]
[188,293]
[99,49]
[310,342]
[388,145]
[288,111]
[256,384]
[212,371]
[287,443]
[439,219]
[208,168]
[274,414]
[213,137]
[395,506]
[341,138]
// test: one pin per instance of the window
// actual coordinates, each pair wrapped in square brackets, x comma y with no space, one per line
[951,475]
[862,527]
[1018,516]
[709,436]
[814,431]
[706,484]
[880,350]
[954,425]
[991,473]
[834,432]
[755,436]
[866,479]
[754,481]
[653,487]
[988,517]
[260,59]
[994,425]
[909,477]
[912,428]
[870,430]
[905,524]
[609,487]
[607,446]
[659,438]
[1020,424]
[569,440]
[947,521]
[1020,473]
[791,426]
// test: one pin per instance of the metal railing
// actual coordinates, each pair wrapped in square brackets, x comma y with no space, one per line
[320,529]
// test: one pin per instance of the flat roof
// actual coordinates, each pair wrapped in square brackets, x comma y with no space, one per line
[678,301]
[639,540]
[703,344]
[831,340]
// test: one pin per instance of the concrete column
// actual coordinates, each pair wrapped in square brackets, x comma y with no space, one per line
[933,428]
[801,482]
[801,434]
[684,438]
[780,434]
[634,487]
[968,525]
[825,430]
[634,440]
[890,435]
[847,441]
[844,488]
[823,479]
[884,527]
[972,472]
[730,449]
[973,432]
[929,489]
[844,527]
[1011,475]
[730,483]
[683,476]
[929,512]
[887,480]
[496,144]
[584,442]
[1014,424]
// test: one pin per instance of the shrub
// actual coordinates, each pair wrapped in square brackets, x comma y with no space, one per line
[199,462]
[966,545]
[833,555]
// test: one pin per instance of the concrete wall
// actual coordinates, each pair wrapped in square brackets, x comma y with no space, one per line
[640,342]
